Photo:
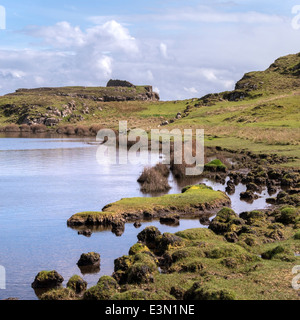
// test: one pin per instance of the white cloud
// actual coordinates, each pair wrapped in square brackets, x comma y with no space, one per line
[104,64]
[164,50]
[191,90]
[185,52]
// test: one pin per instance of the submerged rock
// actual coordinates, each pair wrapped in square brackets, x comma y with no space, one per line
[86,233]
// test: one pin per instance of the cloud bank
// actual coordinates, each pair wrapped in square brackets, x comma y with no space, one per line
[183,53]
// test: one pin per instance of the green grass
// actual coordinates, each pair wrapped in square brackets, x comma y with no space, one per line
[189,201]
[226,266]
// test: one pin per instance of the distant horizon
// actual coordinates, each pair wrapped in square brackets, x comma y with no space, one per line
[184,50]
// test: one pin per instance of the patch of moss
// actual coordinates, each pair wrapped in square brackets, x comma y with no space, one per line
[280,252]
[215,165]
[137,248]
[190,201]
[200,291]
[297,235]
[227,250]
[77,284]
[104,290]
[59,294]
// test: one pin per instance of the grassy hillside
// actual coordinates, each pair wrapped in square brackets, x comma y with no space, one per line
[262,114]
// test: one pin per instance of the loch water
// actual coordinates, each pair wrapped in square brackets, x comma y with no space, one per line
[45,179]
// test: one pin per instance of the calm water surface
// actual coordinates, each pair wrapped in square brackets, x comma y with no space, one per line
[45,180]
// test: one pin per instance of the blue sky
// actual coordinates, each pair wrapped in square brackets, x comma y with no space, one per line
[183,48]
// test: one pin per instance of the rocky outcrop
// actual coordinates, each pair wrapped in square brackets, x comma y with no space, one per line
[47,279]
[89,259]
[77,284]
[119,83]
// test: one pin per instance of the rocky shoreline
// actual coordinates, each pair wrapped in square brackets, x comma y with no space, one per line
[242,247]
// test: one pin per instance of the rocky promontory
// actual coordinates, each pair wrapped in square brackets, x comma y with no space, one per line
[194,201]
[52,106]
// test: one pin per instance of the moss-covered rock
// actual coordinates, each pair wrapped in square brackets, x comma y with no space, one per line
[287,215]
[140,273]
[138,247]
[59,294]
[227,223]
[200,291]
[197,234]
[253,217]
[148,236]
[280,252]
[230,250]
[297,235]
[89,259]
[215,166]
[47,279]
[77,284]
[105,289]
[167,241]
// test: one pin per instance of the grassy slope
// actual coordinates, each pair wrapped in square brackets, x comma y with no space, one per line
[267,120]
[254,280]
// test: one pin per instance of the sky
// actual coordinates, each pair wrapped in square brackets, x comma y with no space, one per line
[184,49]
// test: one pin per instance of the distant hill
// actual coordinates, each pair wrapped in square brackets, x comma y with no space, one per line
[50,106]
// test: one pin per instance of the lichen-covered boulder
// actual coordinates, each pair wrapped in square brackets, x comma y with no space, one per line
[47,279]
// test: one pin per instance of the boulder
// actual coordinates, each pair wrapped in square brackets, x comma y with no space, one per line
[104,290]
[148,236]
[226,221]
[47,279]
[89,259]
[248,196]
[77,284]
